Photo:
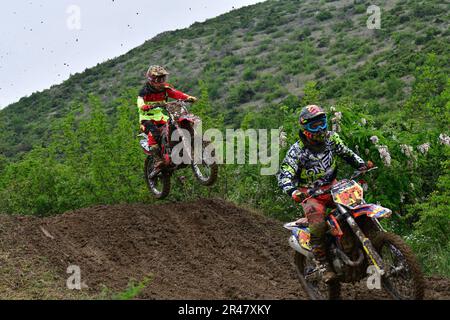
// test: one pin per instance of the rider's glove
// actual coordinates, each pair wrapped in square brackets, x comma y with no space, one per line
[191,99]
[298,196]
[146,107]
[367,166]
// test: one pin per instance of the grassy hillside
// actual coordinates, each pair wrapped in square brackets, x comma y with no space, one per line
[387,91]
[257,55]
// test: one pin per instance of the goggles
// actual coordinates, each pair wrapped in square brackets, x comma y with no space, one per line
[316,125]
[158,79]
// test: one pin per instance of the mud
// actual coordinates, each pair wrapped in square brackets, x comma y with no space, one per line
[206,249]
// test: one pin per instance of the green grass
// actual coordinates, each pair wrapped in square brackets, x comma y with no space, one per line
[133,290]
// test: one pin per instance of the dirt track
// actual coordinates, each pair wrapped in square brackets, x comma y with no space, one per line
[207,249]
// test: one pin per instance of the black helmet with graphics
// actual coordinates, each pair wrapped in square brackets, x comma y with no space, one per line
[313,122]
[309,113]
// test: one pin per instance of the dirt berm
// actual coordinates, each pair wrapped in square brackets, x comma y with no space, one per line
[206,249]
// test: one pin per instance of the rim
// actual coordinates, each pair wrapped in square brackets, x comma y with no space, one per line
[316,288]
[202,171]
[156,185]
[201,168]
[398,279]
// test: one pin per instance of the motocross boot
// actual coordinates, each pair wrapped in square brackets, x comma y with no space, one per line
[328,275]
[158,162]
[317,242]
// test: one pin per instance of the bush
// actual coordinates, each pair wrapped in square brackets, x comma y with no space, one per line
[249,74]
[240,93]
[324,15]
[360,8]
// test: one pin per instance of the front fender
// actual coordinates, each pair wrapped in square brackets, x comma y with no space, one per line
[188,118]
[372,211]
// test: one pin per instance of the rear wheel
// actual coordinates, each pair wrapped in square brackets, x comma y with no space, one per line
[158,185]
[313,285]
[403,279]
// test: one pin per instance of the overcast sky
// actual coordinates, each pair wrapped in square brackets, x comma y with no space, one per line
[43,42]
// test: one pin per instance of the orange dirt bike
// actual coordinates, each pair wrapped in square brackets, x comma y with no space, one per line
[356,241]
[181,125]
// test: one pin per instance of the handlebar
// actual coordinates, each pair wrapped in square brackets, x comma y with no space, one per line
[319,192]
[164,104]
[316,193]
[357,173]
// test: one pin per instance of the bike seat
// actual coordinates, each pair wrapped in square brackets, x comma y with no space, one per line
[302,222]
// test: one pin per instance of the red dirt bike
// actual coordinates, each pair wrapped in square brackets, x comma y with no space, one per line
[355,241]
[183,124]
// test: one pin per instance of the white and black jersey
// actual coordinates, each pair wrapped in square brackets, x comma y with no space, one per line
[305,167]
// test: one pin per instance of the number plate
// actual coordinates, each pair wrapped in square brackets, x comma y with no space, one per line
[348,193]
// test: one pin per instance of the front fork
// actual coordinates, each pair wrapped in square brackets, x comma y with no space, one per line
[366,243]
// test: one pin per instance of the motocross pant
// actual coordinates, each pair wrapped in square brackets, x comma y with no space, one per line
[152,129]
[315,211]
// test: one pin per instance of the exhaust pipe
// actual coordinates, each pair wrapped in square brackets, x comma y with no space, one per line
[293,243]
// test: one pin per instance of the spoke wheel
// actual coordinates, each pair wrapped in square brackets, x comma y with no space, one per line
[312,283]
[206,171]
[403,279]
[159,185]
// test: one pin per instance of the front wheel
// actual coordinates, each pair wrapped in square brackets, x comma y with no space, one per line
[313,285]
[206,173]
[158,185]
[403,279]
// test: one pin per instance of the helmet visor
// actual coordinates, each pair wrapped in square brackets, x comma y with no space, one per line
[317,125]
